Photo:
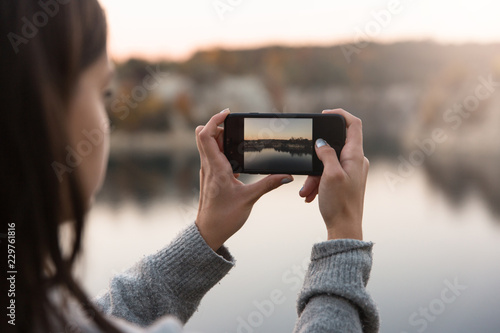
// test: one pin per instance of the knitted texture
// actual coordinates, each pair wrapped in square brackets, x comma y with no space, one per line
[334,296]
[173,281]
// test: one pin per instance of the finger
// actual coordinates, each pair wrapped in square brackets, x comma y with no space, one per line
[200,198]
[328,156]
[207,137]
[354,129]
[311,183]
[263,186]
[310,198]
[220,138]
[198,143]
[203,156]
[215,121]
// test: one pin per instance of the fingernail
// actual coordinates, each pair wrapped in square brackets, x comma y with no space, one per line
[320,143]
[301,189]
[286,181]
[225,110]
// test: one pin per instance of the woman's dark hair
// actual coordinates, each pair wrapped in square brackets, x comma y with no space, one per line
[45,47]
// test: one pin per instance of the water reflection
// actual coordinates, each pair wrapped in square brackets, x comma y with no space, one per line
[421,243]
[403,92]
[271,159]
[147,179]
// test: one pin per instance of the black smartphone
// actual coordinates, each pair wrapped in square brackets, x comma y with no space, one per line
[280,143]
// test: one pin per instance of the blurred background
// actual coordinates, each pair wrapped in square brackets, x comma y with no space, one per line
[424,76]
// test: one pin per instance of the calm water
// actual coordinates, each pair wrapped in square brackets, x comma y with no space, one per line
[271,159]
[422,246]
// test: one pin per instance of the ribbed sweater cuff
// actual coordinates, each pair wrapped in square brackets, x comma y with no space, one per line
[342,268]
[196,268]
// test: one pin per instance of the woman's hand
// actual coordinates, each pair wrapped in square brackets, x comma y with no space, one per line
[341,188]
[225,202]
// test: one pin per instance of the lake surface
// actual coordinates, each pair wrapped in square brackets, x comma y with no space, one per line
[422,246]
[270,159]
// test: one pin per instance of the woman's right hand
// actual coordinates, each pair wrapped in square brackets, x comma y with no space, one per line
[225,202]
[341,187]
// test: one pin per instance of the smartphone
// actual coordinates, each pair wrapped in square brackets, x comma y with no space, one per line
[280,143]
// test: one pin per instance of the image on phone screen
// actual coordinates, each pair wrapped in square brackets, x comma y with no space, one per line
[288,146]
[273,143]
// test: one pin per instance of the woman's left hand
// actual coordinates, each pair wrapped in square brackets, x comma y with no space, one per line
[225,202]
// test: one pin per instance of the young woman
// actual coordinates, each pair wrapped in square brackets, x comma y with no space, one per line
[54,75]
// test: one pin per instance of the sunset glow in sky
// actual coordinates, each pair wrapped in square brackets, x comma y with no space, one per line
[270,128]
[167,29]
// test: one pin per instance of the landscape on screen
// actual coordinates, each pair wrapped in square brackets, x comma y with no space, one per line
[272,145]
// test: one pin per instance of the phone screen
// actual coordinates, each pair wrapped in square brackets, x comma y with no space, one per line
[276,144]
[280,143]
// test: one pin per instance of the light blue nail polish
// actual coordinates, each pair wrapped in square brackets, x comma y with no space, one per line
[301,189]
[286,181]
[320,143]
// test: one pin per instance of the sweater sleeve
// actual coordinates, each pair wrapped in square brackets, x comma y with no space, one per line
[170,282]
[334,296]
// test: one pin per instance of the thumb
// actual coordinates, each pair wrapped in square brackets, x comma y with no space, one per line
[263,186]
[328,156]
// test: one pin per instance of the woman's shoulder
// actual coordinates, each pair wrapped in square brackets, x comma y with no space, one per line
[79,320]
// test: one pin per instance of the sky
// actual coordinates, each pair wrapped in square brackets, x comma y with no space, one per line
[167,29]
[273,128]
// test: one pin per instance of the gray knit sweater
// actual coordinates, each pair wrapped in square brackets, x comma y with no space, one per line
[162,291]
